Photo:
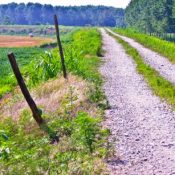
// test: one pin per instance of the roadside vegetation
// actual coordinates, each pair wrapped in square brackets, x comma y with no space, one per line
[24,56]
[73,108]
[160,86]
[163,47]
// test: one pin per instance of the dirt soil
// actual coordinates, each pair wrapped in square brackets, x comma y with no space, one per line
[22,41]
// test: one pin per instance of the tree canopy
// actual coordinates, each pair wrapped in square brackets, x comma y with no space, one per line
[35,13]
[151,15]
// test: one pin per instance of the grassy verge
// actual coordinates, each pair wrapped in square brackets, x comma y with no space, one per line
[159,85]
[163,47]
[67,108]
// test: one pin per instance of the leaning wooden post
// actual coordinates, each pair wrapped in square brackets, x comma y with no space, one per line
[60,46]
[30,101]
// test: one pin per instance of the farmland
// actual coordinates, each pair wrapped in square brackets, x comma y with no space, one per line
[37,30]
[23,54]
[22,41]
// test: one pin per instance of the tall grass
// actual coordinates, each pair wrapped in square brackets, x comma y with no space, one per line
[80,59]
[163,47]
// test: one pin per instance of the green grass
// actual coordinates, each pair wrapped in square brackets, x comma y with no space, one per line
[80,59]
[81,148]
[23,57]
[158,84]
[25,149]
[165,48]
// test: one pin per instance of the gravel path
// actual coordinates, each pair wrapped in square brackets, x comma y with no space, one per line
[158,62]
[142,127]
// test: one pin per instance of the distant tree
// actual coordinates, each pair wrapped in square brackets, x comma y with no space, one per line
[20,9]
[47,14]
[35,13]
[6,20]
[151,15]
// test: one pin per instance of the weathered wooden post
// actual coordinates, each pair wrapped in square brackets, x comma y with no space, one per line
[60,46]
[30,101]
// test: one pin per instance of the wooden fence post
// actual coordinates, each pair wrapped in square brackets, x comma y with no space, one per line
[60,46]
[30,101]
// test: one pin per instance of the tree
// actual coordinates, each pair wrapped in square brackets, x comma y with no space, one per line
[151,15]
[35,13]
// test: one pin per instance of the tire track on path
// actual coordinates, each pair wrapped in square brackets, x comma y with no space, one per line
[142,127]
[161,64]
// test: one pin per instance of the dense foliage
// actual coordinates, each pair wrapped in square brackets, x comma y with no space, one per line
[151,15]
[70,16]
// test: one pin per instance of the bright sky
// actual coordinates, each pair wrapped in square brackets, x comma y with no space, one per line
[115,3]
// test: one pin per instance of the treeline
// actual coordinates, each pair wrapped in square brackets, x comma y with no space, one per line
[151,15]
[35,13]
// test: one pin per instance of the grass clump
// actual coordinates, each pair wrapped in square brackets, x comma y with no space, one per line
[163,47]
[158,84]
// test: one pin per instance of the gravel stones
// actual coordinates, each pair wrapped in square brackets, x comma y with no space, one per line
[161,64]
[142,126]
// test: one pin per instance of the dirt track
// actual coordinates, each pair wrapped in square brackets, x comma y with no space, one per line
[142,126]
[155,60]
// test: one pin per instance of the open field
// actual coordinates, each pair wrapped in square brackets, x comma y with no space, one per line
[37,30]
[23,41]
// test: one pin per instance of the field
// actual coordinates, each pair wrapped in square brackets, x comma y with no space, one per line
[37,30]
[22,41]
[24,55]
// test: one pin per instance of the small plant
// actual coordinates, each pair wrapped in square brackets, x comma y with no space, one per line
[4,149]
[86,130]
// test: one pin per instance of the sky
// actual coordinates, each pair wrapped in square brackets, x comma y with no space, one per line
[114,3]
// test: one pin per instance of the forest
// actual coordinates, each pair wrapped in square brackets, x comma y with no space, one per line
[151,16]
[35,13]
